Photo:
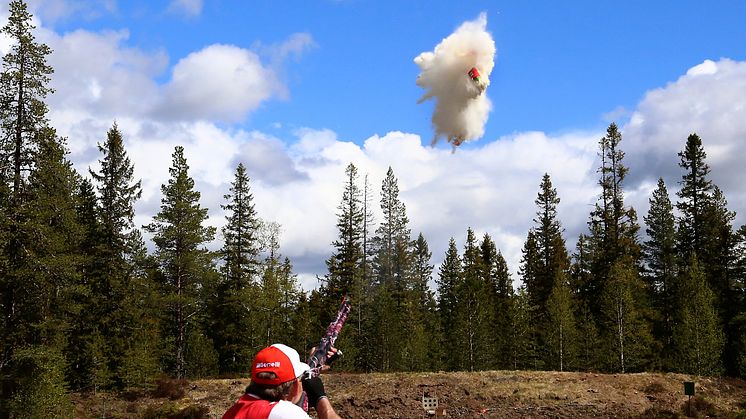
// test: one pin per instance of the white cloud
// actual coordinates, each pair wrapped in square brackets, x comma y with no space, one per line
[710,99]
[219,82]
[96,73]
[189,8]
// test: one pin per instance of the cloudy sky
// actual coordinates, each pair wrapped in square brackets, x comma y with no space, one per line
[298,89]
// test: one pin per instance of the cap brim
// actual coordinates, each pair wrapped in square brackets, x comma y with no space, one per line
[300,368]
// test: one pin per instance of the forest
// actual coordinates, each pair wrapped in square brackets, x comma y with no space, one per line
[86,307]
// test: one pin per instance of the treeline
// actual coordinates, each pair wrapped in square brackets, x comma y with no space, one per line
[85,307]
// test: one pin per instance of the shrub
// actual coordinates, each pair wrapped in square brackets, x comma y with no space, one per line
[699,407]
[171,388]
[654,388]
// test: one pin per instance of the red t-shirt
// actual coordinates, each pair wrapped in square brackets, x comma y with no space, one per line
[250,406]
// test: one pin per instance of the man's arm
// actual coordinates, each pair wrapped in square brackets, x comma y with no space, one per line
[325,410]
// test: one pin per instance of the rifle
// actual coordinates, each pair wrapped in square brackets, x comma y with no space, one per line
[320,356]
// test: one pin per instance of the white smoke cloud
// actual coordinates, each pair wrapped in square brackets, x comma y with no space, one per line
[461,105]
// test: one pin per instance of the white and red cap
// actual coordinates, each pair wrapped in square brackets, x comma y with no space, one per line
[280,359]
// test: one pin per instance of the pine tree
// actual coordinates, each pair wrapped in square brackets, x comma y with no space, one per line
[233,306]
[23,118]
[698,339]
[659,254]
[24,86]
[179,236]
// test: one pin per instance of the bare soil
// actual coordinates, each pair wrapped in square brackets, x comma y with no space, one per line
[491,394]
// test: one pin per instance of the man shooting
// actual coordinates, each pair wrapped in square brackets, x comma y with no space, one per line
[278,379]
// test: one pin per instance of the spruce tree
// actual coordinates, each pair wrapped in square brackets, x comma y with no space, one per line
[112,270]
[184,263]
[346,262]
[705,229]
[613,225]
[550,259]
[422,346]
[475,317]
[503,312]
[529,271]
[392,265]
[233,306]
[552,252]
[498,292]
[346,265]
[693,196]
[49,270]
[449,281]
[660,261]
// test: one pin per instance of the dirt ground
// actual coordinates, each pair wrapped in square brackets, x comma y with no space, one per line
[492,394]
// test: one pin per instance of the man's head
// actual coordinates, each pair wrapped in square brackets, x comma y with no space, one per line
[275,372]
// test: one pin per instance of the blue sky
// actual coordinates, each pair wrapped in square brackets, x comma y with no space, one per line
[296,90]
[560,65]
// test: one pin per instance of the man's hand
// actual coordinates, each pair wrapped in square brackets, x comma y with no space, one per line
[332,355]
[314,389]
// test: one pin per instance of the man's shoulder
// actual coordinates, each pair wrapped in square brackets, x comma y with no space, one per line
[287,410]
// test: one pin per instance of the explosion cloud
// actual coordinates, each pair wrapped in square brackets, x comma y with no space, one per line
[461,105]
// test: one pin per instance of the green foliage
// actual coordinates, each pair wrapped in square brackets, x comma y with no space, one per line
[233,315]
[626,334]
[41,390]
[449,281]
[523,353]
[661,264]
[141,361]
[23,88]
[561,333]
[201,359]
[185,266]
[697,336]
